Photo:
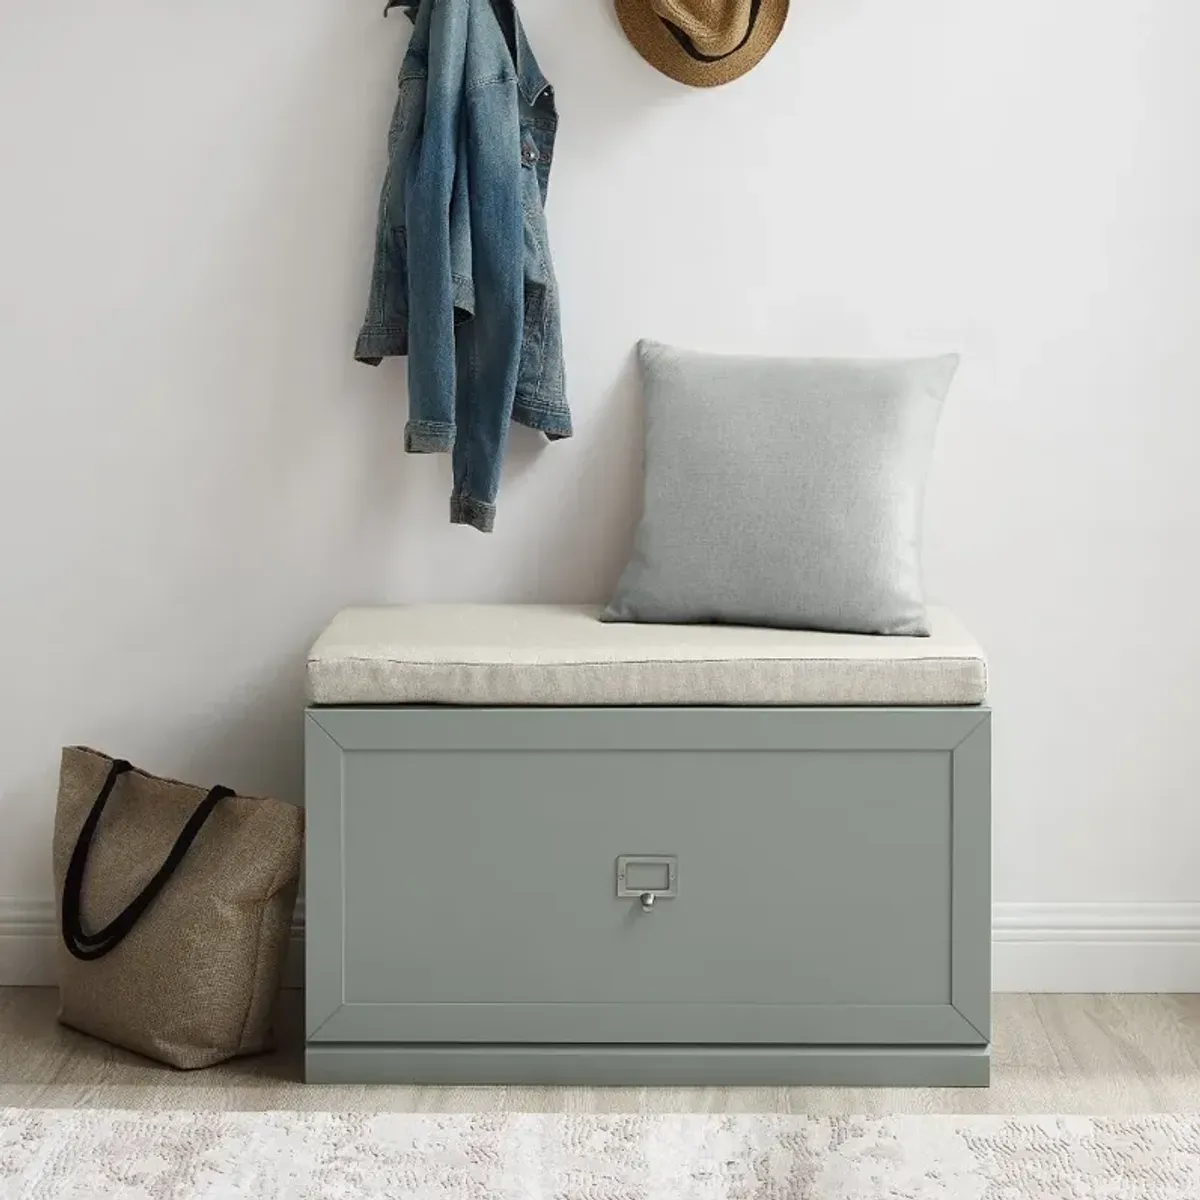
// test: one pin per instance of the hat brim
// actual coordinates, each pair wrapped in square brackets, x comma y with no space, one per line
[652,39]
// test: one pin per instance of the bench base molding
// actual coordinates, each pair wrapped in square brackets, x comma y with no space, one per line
[651,1066]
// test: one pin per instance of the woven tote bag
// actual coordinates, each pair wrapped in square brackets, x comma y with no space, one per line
[175,906]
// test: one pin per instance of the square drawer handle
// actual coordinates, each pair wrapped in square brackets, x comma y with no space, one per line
[648,878]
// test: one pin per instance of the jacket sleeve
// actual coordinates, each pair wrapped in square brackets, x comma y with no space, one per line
[488,378]
[429,188]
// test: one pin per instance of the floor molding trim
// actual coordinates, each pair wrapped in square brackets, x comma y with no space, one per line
[1096,947]
[1035,947]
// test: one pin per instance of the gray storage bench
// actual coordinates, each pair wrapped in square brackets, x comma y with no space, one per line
[546,849]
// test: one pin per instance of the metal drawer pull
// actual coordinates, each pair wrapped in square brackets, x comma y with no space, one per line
[648,878]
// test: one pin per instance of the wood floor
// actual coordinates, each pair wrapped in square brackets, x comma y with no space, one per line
[1053,1054]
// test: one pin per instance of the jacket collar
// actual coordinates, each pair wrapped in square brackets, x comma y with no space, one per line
[530,80]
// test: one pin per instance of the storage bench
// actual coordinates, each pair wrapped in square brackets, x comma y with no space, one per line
[546,849]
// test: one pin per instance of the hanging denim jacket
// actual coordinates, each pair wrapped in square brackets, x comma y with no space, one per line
[463,282]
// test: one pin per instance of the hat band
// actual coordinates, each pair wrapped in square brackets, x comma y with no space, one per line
[690,47]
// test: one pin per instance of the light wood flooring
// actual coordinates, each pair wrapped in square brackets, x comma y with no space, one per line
[1053,1054]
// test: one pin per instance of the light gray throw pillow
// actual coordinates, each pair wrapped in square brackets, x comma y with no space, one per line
[784,492]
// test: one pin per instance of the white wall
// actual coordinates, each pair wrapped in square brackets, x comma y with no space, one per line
[194,474]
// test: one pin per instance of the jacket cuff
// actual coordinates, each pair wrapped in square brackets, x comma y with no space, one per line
[555,423]
[465,510]
[428,437]
[377,342]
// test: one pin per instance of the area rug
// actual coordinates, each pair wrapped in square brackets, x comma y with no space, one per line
[326,1156]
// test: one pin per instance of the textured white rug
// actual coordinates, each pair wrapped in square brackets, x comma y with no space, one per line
[321,1156]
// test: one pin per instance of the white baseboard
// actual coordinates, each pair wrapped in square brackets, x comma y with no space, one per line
[1096,947]
[27,940]
[1035,947]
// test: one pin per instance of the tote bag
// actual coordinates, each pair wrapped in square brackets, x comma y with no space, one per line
[175,906]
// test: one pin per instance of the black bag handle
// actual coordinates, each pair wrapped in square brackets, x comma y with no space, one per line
[90,946]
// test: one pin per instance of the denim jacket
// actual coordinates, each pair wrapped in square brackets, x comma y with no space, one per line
[463,282]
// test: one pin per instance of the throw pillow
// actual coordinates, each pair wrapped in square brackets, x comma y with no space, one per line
[784,492]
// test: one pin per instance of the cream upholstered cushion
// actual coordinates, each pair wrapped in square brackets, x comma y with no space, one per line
[535,654]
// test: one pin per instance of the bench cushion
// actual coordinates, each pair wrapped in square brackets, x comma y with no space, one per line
[532,654]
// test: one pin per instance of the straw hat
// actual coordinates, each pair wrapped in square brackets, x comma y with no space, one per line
[702,42]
